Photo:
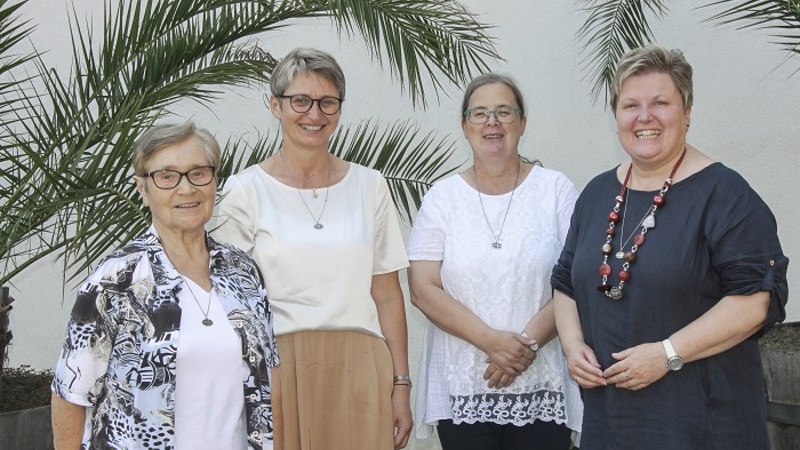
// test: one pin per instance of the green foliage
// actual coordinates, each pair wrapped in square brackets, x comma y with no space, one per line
[615,26]
[65,140]
[24,388]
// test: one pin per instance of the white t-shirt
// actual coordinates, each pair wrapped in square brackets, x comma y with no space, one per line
[317,279]
[209,402]
[504,287]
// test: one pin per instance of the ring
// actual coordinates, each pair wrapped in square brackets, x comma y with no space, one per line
[627,375]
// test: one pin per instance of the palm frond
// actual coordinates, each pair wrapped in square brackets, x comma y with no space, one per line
[410,161]
[781,16]
[613,28]
[439,38]
[65,140]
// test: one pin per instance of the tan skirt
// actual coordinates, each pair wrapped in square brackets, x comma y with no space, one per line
[332,391]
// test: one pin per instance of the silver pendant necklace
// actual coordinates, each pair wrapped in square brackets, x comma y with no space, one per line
[496,244]
[648,220]
[207,322]
[317,224]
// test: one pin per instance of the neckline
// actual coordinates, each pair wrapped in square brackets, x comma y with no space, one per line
[672,186]
[286,186]
[521,183]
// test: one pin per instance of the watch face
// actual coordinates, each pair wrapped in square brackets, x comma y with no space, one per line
[674,363]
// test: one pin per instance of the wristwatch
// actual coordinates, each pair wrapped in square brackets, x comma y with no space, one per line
[535,346]
[674,362]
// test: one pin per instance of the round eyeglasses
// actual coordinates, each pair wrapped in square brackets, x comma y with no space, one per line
[303,103]
[170,179]
[503,114]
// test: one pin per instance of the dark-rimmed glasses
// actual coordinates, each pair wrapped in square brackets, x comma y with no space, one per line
[503,114]
[303,103]
[170,179]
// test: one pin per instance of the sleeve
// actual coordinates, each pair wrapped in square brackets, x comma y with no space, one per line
[427,239]
[233,220]
[87,347]
[561,278]
[389,254]
[746,251]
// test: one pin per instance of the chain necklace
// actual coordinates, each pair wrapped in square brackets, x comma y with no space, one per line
[317,224]
[648,220]
[207,322]
[629,257]
[496,244]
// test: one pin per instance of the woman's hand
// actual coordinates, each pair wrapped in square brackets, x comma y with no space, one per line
[508,351]
[638,367]
[583,365]
[497,378]
[401,414]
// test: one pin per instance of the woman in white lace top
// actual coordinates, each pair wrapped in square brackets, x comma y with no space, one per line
[482,249]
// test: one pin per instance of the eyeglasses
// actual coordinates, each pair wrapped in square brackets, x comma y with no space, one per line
[303,103]
[504,114]
[170,179]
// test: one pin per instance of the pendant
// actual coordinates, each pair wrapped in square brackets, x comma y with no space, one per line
[208,322]
[318,226]
[615,293]
[314,193]
[497,245]
[620,254]
[649,221]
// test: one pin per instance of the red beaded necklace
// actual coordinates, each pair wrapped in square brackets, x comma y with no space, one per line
[648,222]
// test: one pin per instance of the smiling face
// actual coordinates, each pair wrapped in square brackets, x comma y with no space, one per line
[493,139]
[185,208]
[651,119]
[312,129]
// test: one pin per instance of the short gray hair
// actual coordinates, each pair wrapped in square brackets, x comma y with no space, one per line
[304,60]
[164,135]
[649,59]
[492,78]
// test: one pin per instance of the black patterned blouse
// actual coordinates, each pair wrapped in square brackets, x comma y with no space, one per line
[119,356]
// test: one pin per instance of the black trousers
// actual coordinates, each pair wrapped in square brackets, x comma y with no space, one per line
[539,435]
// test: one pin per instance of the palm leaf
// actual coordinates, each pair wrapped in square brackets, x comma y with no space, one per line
[611,29]
[782,16]
[65,145]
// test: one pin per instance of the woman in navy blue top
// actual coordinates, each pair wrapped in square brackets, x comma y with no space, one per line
[671,271]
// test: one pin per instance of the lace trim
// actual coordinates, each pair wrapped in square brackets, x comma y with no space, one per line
[504,408]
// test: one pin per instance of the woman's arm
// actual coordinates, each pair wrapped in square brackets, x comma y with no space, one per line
[583,364]
[732,320]
[507,349]
[68,422]
[388,298]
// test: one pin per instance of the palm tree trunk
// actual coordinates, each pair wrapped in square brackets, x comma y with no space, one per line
[5,333]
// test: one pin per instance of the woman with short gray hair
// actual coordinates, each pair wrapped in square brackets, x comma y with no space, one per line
[326,234]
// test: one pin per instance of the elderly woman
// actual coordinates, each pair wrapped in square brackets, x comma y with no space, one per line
[493,375]
[326,235]
[170,340]
[671,271]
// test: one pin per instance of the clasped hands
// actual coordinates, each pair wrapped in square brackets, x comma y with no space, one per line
[508,356]
[636,367]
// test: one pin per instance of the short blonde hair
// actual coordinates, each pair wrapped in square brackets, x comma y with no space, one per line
[649,59]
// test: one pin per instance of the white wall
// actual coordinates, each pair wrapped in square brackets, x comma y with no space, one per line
[746,101]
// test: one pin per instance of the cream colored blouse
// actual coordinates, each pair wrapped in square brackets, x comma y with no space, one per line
[317,279]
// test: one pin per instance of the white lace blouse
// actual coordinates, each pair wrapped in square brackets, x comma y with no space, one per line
[504,287]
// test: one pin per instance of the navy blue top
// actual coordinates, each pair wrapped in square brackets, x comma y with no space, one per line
[713,237]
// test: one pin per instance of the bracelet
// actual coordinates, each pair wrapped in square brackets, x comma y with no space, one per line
[535,346]
[403,378]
